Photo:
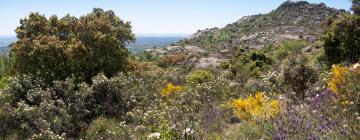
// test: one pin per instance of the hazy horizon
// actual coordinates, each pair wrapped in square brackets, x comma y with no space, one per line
[136,35]
[155,18]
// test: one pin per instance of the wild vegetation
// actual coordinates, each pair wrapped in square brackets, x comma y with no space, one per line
[72,78]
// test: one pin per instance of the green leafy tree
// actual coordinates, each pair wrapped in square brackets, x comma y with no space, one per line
[54,49]
[342,37]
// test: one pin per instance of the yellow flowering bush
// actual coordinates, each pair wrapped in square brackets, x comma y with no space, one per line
[255,107]
[345,83]
[170,88]
[338,79]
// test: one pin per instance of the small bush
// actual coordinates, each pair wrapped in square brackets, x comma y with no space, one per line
[298,75]
[170,88]
[200,76]
[103,128]
[257,107]
[345,84]
[286,48]
[247,65]
[170,60]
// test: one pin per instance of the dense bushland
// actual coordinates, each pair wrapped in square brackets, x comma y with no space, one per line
[72,79]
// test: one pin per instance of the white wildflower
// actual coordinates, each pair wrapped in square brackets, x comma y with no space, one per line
[155,135]
[188,131]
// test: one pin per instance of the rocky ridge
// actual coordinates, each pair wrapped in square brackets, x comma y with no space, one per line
[291,20]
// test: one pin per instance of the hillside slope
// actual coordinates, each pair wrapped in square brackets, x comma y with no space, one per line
[291,20]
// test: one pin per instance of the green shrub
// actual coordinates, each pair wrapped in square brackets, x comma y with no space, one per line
[147,57]
[289,47]
[200,76]
[248,130]
[260,59]
[104,128]
[4,82]
[346,83]
[298,75]
[5,65]
[42,112]
[247,65]
[342,39]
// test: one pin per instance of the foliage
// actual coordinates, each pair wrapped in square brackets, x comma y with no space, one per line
[170,60]
[147,57]
[345,84]
[247,65]
[39,112]
[199,76]
[257,107]
[109,100]
[3,82]
[170,88]
[103,128]
[249,130]
[260,59]
[288,48]
[332,114]
[66,108]
[319,118]
[356,7]
[5,65]
[298,75]
[338,78]
[157,98]
[139,67]
[341,39]
[55,49]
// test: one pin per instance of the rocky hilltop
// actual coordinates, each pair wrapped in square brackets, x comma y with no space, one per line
[291,20]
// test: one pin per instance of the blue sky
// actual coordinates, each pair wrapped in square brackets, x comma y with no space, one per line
[149,16]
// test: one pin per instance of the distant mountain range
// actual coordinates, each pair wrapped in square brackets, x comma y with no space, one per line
[142,43]
[291,20]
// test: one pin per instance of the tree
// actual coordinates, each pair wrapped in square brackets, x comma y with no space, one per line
[55,49]
[356,7]
[298,75]
[342,37]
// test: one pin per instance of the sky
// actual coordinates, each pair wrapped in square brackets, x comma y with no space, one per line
[149,17]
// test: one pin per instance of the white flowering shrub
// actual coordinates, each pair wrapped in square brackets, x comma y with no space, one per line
[42,112]
[103,128]
[127,106]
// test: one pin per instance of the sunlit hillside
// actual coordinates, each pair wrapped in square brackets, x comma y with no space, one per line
[291,73]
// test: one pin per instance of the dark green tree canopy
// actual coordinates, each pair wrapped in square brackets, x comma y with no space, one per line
[356,6]
[342,39]
[54,48]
